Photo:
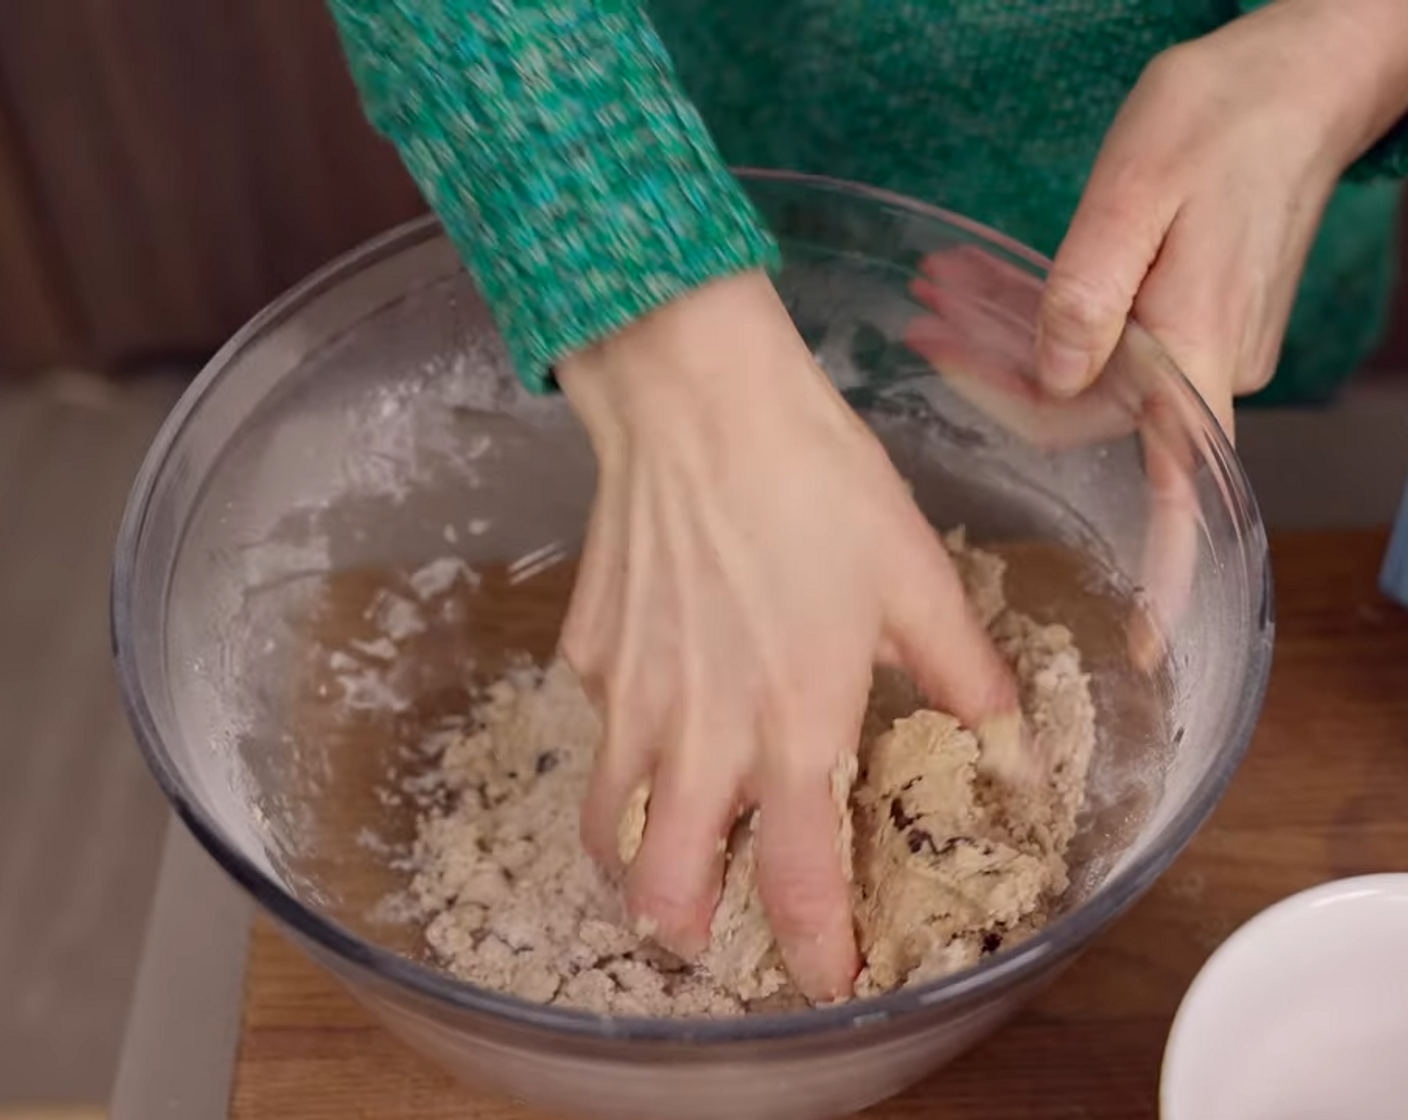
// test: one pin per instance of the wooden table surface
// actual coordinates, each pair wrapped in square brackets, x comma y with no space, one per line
[1322,794]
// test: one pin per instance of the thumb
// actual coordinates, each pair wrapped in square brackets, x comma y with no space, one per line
[1109,248]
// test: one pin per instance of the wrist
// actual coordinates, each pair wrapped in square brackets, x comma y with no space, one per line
[1361,47]
[705,360]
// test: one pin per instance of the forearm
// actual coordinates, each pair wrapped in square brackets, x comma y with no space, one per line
[1352,64]
[1370,39]
[552,141]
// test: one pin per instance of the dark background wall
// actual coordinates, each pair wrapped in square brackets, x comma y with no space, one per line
[168,166]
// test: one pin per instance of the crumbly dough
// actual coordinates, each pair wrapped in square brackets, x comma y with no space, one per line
[950,858]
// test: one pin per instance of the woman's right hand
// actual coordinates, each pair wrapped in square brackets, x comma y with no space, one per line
[752,554]
[974,334]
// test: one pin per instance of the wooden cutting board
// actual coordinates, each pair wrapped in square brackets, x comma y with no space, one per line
[1322,794]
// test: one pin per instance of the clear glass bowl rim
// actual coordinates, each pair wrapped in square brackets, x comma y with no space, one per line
[1059,940]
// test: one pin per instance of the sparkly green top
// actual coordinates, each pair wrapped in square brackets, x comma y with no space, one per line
[577,150]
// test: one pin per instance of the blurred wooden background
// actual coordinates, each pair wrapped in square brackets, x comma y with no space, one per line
[167,167]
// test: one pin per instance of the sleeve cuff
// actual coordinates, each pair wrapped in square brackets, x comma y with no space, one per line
[578,183]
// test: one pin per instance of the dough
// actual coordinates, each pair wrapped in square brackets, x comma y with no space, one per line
[950,858]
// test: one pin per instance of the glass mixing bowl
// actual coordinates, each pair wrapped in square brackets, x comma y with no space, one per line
[328,483]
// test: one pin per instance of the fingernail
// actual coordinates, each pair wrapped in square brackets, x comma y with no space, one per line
[1063,369]
[820,987]
[687,945]
[814,970]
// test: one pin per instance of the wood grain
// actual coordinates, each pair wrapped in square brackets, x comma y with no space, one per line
[38,326]
[190,162]
[54,1112]
[194,160]
[1322,794]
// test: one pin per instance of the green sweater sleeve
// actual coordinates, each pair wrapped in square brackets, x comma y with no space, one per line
[553,142]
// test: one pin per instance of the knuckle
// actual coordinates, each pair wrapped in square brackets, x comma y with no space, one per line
[667,905]
[615,806]
[1170,68]
[1127,206]
[1078,308]
[1254,376]
[1000,695]
[803,884]
[597,841]
[598,825]
[802,906]
[577,645]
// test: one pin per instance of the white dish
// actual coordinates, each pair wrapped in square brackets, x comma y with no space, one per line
[1301,1015]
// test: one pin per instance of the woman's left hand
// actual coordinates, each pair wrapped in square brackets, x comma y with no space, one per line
[1209,189]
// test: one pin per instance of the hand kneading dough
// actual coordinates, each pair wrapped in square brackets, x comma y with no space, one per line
[949,859]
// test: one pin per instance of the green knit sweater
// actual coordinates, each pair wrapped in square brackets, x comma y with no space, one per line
[577,150]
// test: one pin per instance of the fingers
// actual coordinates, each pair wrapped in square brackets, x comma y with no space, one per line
[997,282]
[589,629]
[962,338]
[1010,398]
[804,861]
[940,641]
[1204,319]
[673,884]
[932,630]
[634,706]
[1171,545]
[1111,244]
[623,764]
[986,359]
[636,703]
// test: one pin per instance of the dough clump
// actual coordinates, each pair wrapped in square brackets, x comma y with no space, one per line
[949,861]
